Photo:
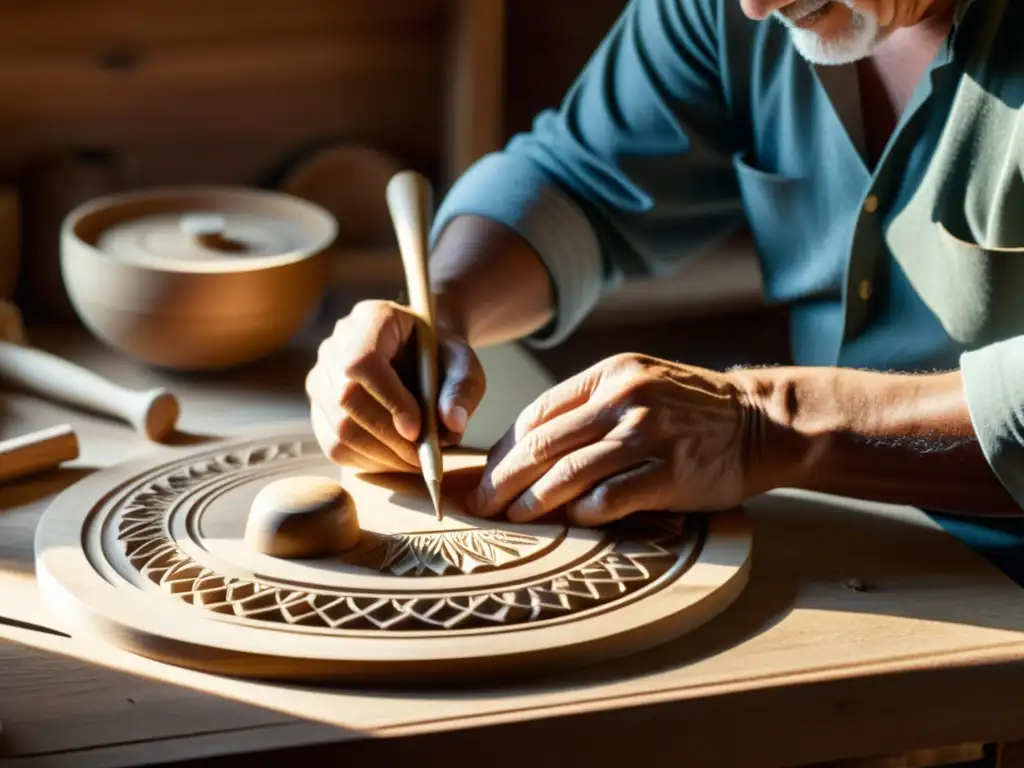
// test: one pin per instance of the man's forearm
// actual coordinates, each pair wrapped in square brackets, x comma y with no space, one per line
[904,439]
[489,283]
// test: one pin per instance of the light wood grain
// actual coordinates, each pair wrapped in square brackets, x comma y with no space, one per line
[228,73]
[410,201]
[408,602]
[37,451]
[801,669]
[153,413]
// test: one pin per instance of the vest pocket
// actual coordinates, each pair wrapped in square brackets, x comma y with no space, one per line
[978,291]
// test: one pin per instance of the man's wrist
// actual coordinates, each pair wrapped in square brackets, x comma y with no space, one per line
[781,444]
[899,438]
[816,411]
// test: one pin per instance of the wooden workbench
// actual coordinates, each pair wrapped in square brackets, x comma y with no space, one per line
[865,630]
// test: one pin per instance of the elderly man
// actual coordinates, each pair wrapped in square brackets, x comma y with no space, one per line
[874,148]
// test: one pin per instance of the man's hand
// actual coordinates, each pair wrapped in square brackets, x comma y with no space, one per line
[631,433]
[361,390]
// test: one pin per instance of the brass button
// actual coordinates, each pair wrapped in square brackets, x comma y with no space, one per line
[871,204]
[864,289]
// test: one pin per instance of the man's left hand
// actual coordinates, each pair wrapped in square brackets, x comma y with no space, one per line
[631,433]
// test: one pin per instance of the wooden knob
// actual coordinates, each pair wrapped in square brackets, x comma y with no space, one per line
[299,517]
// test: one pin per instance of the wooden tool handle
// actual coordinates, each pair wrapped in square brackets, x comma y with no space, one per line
[37,451]
[409,199]
[153,412]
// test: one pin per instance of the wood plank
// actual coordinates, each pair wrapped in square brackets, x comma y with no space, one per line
[476,94]
[931,652]
[100,709]
[377,85]
[79,30]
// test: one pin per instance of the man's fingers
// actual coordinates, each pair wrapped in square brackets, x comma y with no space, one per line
[463,386]
[571,477]
[364,347]
[326,432]
[364,409]
[514,465]
[343,438]
[355,404]
[563,397]
[377,376]
[642,488]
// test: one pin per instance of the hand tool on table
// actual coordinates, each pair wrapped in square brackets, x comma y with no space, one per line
[409,199]
[37,451]
[153,412]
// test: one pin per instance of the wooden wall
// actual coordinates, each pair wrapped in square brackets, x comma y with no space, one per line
[102,95]
[217,90]
[105,95]
[222,90]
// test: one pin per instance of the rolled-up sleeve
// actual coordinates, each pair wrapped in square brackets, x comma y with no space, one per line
[633,171]
[993,379]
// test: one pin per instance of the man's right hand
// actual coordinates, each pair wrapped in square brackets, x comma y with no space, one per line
[364,408]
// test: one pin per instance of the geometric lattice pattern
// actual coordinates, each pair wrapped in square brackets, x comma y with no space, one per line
[616,569]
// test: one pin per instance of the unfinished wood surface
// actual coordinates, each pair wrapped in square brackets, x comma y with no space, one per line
[162,569]
[37,451]
[152,412]
[196,278]
[302,516]
[864,630]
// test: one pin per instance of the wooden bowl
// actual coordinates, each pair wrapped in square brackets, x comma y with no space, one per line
[196,278]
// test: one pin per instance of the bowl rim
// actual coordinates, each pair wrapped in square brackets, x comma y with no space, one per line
[324,234]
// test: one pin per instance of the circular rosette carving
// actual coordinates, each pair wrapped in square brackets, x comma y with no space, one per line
[152,555]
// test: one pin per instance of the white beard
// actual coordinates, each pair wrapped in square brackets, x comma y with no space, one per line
[855,43]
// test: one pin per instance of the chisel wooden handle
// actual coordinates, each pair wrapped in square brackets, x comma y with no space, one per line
[37,451]
[153,412]
[409,199]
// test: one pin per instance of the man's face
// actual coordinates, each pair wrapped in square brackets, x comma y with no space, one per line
[835,31]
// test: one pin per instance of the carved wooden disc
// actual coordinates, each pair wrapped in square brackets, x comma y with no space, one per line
[152,556]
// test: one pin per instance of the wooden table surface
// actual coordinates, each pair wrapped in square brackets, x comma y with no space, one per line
[865,629]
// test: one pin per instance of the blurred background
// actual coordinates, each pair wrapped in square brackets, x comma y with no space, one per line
[323,99]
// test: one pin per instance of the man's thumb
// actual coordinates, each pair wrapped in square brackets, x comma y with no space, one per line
[463,386]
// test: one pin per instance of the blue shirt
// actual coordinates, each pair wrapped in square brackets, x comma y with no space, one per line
[692,120]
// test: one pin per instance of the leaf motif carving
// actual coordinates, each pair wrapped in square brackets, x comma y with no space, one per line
[617,568]
[452,552]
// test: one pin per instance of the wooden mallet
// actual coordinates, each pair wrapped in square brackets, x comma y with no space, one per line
[152,412]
